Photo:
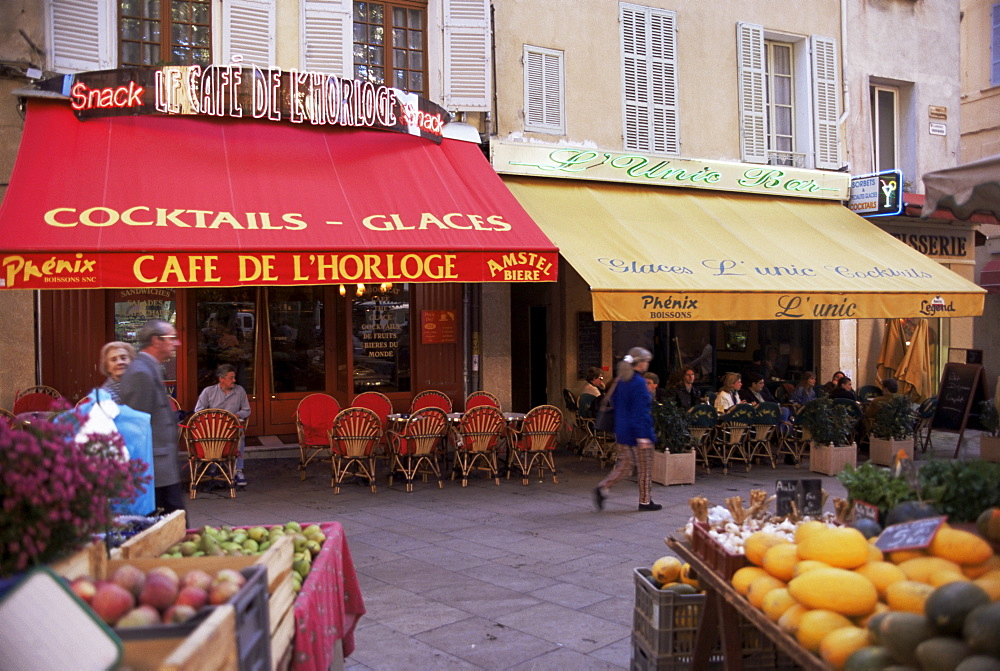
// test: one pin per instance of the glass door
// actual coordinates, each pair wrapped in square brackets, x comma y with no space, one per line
[295,350]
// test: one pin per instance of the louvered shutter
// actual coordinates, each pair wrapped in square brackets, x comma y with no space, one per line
[248,31]
[80,35]
[753,116]
[543,90]
[825,108]
[649,79]
[327,40]
[467,55]
[995,45]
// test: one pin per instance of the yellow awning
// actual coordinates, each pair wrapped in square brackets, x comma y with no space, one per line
[676,255]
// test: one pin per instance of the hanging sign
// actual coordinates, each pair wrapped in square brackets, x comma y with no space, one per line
[877,195]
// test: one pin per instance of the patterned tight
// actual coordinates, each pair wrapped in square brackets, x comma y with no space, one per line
[642,458]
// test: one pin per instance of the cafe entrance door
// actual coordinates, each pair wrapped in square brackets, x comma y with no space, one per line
[275,338]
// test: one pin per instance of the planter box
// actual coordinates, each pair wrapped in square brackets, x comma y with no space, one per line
[989,448]
[883,452]
[673,469]
[830,460]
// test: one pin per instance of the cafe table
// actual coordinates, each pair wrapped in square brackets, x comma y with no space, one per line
[721,617]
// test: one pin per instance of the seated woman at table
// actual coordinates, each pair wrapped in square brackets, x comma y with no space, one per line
[593,390]
[805,390]
[729,393]
[844,389]
[754,391]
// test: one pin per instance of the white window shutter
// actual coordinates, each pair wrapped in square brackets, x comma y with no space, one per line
[248,31]
[544,105]
[80,35]
[467,55]
[649,79]
[327,37]
[753,116]
[825,108]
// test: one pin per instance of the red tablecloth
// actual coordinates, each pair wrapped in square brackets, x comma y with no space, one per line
[329,604]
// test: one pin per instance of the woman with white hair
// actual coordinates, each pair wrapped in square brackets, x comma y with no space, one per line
[634,431]
[115,359]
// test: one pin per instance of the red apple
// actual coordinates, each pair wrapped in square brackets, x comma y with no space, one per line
[195,597]
[129,577]
[197,578]
[143,616]
[160,591]
[222,592]
[111,602]
[84,588]
[166,571]
[229,575]
[178,613]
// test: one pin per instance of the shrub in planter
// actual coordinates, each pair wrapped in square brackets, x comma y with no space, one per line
[672,434]
[989,420]
[829,423]
[892,429]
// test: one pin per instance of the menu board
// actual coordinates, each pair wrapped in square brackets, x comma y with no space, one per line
[909,535]
[438,326]
[806,494]
[962,387]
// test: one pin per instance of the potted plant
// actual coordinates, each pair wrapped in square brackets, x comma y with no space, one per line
[831,426]
[673,456]
[891,430]
[989,442]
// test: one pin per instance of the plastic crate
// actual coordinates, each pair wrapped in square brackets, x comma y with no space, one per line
[253,623]
[714,554]
[664,622]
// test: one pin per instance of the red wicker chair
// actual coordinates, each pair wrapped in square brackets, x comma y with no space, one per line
[533,443]
[212,437]
[313,420]
[476,443]
[431,398]
[353,437]
[478,398]
[417,447]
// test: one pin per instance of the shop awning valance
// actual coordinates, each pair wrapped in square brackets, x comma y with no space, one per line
[670,255]
[145,201]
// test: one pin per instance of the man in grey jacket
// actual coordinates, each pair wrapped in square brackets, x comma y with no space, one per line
[142,389]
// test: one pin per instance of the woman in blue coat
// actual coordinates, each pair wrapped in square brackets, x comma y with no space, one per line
[634,431]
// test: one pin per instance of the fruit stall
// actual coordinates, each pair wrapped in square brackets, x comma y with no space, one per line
[814,588]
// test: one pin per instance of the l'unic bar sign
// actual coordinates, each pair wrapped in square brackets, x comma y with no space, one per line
[238,91]
[514,158]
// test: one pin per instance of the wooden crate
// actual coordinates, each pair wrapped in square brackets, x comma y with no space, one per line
[90,561]
[211,646]
[155,540]
[830,460]
[282,637]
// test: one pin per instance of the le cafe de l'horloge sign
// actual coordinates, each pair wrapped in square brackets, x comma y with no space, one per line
[239,91]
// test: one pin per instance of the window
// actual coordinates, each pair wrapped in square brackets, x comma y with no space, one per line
[544,97]
[380,321]
[157,32]
[885,115]
[649,78]
[788,93]
[390,44]
[780,103]
[995,45]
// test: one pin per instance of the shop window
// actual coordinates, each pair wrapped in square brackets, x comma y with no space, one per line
[780,103]
[544,95]
[298,339]
[380,324]
[134,307]
[158,32]
[885,131]
[227,328]
[649,74]
[390,44]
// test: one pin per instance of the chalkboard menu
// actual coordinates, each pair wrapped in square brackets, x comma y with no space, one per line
[909,535]
[962,388]
[865,511]
[806,494]
[588,341]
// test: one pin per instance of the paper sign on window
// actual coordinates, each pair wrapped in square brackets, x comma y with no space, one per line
[437,327]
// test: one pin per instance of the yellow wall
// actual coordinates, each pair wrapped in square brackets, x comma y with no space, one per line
[980,101]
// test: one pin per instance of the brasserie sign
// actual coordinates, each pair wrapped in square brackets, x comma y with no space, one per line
[518,158]
[239,91]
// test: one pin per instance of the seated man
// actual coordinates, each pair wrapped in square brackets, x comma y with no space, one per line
[591,393]
[889,387]
[831,386]
[754,391]
[685,394]
[227,395]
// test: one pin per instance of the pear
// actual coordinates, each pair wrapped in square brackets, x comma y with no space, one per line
[257,533]
[293,527]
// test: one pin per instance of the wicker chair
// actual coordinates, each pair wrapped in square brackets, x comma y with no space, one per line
[478,398]
[212,437]
[7,416]
[477,437]
[766,418]
[702,420]
[732,434]
[431,398]
[417,447]
[380,404]
[313,420]
[353,437]
[533,443]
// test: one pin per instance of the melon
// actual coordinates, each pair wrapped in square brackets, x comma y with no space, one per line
[948,606]
[988,524]
[909,511]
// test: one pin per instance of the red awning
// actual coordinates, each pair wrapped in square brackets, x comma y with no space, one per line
[989,277]
[142,201]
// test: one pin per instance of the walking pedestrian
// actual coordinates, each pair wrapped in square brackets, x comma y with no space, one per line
[634,431]
[142,389]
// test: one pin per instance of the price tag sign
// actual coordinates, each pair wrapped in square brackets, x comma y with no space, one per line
[865,511]
[806,494]
[913,535]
